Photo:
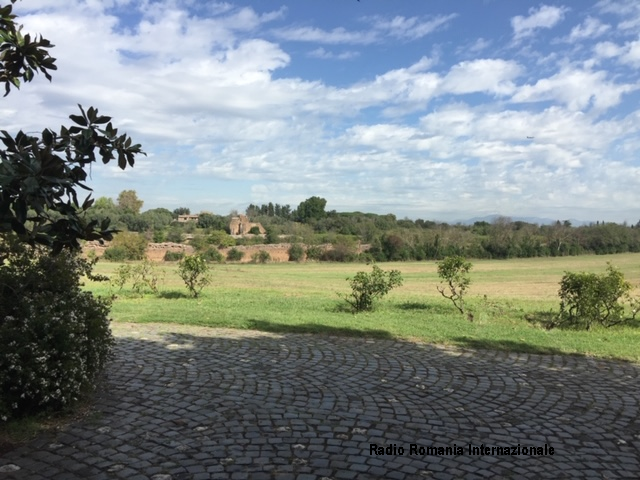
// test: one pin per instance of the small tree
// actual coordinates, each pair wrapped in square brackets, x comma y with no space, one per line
[194,271]
[367,287]
[454,271]
[587,298]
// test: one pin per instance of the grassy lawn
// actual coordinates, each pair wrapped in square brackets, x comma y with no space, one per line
[302,298]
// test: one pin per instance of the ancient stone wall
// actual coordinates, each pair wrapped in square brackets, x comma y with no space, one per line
[241,225]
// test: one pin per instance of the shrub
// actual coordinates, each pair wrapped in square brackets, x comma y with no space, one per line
[141,276]
[194,271]
[130,244]
[314,252]
[261,256]
[170,256]
[199,242]
[115,254]
[367,287]
[234,255]
[221,239]
[55,338]
[212,255]
[454,271]
[588,298]
[254,231]
[296,253]
[339,253]
[174,235]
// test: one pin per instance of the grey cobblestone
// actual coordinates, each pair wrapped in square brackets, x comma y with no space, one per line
[195,403]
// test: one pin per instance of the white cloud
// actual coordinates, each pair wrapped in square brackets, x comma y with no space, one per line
[399,27]
[493,76]
[328,55]
[229,115]
[334,37]
[410,28]
[628,10]
[546,16]
[577,89]
[590,28]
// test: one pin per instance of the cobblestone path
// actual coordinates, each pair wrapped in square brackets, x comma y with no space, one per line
[196,403]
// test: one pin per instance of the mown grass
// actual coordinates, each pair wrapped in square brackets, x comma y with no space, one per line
[511,301]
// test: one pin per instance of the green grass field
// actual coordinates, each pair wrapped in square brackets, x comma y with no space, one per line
[302,298]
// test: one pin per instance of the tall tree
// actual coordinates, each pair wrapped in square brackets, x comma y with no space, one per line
[129,202]
[311,209]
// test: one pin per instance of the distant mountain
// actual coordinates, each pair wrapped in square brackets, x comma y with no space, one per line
[535,220]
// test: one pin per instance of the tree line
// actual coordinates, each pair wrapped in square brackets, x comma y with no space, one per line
[387,238]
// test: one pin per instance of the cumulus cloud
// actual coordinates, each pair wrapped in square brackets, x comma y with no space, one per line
[577,89]
[546,16]
[220,99]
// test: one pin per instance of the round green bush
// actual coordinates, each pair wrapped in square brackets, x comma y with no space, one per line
[213,255]
[235,255]
[55,338]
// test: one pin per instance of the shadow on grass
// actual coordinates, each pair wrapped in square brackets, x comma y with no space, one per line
[172,295]
[550,319]
[508,346]
[266,326]
[438,309]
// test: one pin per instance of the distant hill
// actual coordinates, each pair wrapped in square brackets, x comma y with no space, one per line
[535,220]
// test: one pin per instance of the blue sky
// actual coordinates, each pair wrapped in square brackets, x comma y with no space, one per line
[426,109]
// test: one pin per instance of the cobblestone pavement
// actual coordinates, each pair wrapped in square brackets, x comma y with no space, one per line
[197,403]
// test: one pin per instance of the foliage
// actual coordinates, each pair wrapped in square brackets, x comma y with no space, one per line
[454,271]
[344,250]
[314,252]
[272,235]
[261,256]
[209,220]
[175,235]
[55,338]
[159,236]
[194,271]
[235,255]
[588,298]
[170,256]
[132,244]
[157,218]
[296,253]
[181,211]
[368,287]
[254,230]
[311,209]
[121,277]
[212,255]
[141,276]
[20,55]
[116,254]
[221,239]
[129,202]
